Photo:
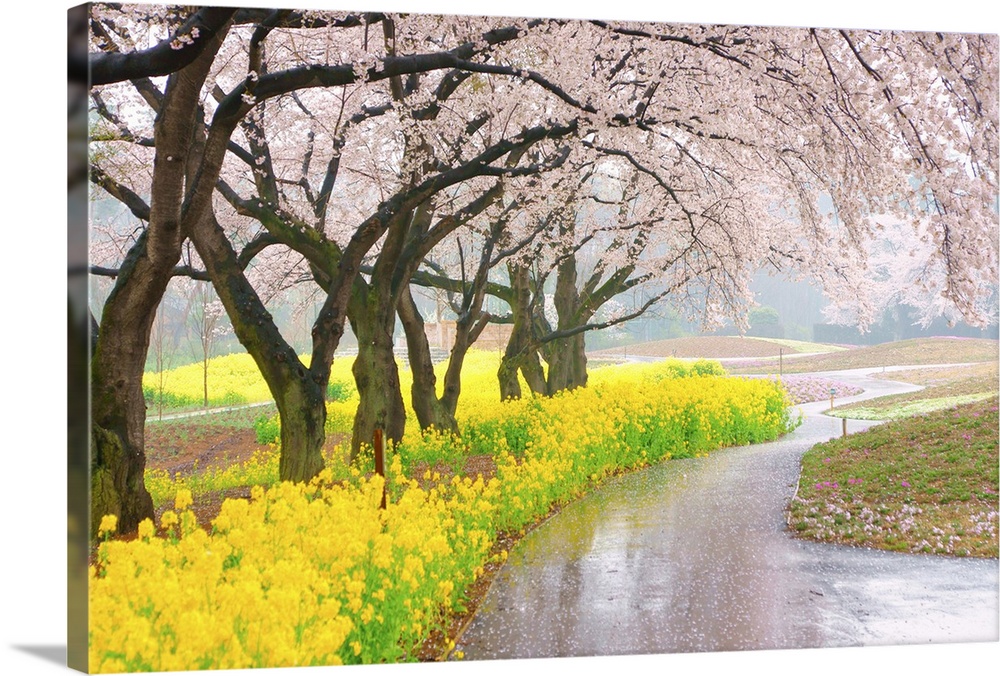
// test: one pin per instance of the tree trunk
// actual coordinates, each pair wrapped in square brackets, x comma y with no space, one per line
[204,379]
[299,394]
[510,385]
[467,332]
[302,411]
[567,364]
[534,374]
[372,315]
[566,356]
[118,410]
[521,353]
[431,411]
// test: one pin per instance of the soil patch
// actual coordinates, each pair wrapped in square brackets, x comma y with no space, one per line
[183,447]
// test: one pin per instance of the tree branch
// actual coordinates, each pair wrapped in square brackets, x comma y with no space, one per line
[166,57]
[122,193]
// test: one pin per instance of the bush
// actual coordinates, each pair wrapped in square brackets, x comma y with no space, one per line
[339,390]
[707,367]
[268,429]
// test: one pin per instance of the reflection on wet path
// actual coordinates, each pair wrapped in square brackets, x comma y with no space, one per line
[693,555]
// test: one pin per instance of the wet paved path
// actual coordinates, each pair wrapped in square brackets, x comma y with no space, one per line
[693,555]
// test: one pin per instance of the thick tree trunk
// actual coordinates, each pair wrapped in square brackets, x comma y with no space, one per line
[118,410]
[117,468]
[431,411]
[302,411]
[510,385]
[534,374]
[528,365]
[566,356]
[567,364]
[521,353]
[299,393]
[376,376]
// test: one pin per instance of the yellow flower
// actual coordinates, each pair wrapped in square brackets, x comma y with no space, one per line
[146,529]
[109,523]
[183,499]
[169,518]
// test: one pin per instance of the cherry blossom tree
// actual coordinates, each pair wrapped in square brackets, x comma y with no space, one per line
[563,268]
[365,141]
[903,270]
[206,146]
[150,153]
[737,180]
[411,221]
[599,247]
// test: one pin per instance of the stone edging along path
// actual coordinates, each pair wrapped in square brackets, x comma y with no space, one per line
[694,555]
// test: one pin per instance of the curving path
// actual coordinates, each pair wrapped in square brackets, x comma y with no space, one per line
[693,555]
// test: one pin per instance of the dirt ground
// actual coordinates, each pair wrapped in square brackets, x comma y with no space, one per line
[178,446]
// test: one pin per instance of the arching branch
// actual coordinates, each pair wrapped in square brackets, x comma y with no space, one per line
[166,57]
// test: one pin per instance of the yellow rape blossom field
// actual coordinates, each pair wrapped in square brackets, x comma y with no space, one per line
[311,574]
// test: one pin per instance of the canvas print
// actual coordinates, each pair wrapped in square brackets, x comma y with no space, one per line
[404,337]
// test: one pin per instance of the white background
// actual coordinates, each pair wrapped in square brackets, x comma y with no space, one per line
[32,364]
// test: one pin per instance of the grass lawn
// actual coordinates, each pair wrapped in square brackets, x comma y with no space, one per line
[922,484]
[943,388]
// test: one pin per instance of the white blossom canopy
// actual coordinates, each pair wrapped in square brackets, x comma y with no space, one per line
[739,146]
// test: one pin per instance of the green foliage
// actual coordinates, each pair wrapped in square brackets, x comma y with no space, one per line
[435,449]
[172,400]
[340,390]
[764,316]
[268,429]
[259,470]
[707,367]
